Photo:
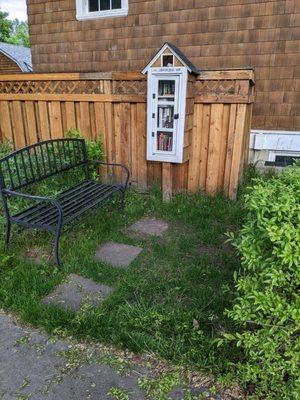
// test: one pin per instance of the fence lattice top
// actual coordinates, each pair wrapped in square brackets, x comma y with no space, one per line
[73,87]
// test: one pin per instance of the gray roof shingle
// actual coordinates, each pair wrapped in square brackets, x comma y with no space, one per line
[188,63]
[19,54]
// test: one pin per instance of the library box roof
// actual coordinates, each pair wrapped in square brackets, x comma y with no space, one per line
[170,56]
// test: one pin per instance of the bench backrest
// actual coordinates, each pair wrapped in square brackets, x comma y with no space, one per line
[41,160]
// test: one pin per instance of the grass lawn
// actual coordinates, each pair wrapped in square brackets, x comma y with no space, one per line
[171,299]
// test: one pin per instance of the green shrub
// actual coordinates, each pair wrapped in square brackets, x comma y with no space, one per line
[268,304]
[6,147]
[94,147]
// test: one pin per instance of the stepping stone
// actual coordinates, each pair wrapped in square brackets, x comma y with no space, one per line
[149,227]
[117,254]
[76,292]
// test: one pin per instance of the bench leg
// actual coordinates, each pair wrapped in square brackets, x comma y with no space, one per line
[122,201]
[7,234]
[56,250]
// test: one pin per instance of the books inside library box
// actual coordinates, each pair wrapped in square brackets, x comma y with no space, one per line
[165,117]
[164,141]
[166,88]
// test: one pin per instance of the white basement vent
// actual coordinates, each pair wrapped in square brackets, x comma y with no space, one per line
[274,148]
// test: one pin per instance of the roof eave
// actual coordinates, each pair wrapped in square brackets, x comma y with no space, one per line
[191,68]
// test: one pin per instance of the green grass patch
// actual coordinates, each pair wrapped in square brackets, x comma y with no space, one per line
[170,301]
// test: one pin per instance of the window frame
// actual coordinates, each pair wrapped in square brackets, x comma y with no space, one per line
[273,154]
[82,12]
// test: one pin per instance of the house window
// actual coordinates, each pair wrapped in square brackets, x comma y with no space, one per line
[281,160]
[93,9]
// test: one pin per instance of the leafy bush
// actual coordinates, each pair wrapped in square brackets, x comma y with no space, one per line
[268,302]
[6,147]
[94,147]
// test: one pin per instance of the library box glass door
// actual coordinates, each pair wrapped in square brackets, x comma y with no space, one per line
[166,103]
[165,115]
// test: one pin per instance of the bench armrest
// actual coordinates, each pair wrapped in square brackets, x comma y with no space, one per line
[12,193]
[114,165]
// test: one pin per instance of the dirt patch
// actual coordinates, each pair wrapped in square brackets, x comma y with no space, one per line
[227,246]
[148,226]
[211,250]
[208,250]
[38,255]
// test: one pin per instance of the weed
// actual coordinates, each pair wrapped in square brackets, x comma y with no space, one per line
[161,387]
[22,340]
[118,364]
[118,394]
[25,383]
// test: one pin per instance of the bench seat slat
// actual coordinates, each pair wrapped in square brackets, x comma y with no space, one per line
[38,208]
[92,204]
[80,203]
[74,202]
[78,209]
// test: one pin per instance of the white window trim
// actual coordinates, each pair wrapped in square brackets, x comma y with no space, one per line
[275,140]
[82,12]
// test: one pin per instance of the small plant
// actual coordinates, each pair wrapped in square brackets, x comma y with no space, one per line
[118,364]
[75,356]
[118,394]
[6,147]
[22,340]
[6,262]
[268,303]
[24,397]
[25,383]
[201,396]
[159,388]
[94,147]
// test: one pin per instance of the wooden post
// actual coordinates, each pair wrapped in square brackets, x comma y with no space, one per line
[237,150]
[167,181]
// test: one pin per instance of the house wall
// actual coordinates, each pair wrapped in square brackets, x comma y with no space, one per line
[212,33]
[7,66]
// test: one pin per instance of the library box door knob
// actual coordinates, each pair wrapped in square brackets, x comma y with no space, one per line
[176,116]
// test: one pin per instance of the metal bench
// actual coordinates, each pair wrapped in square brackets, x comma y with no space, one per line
[32,164]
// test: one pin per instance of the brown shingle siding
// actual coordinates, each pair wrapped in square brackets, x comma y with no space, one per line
[7,66]
[213,33]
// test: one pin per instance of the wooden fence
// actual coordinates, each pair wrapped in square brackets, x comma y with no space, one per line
[113,106]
